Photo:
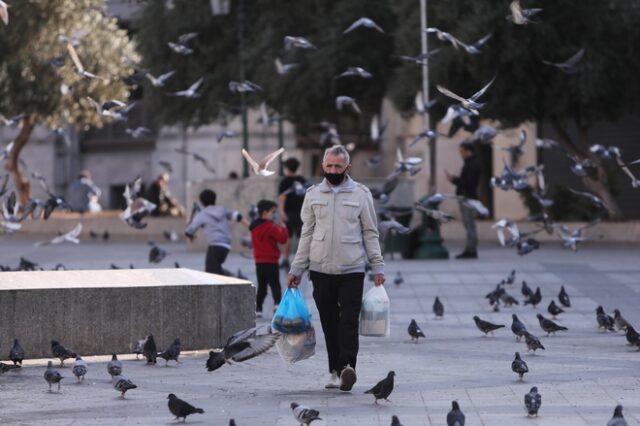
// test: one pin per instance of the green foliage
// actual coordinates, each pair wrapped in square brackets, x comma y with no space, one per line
[29,84]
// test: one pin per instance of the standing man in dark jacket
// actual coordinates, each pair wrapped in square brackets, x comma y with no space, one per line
[290,197]
[467,188]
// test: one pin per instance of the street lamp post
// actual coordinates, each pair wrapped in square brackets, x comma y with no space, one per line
[425,94]
[223,7]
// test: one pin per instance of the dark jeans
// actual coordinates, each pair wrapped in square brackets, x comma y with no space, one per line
[216,255]
[268,274]
[339,299]
[469,222]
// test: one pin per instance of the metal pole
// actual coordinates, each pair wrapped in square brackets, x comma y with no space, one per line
[425,95]
[185,164]
[245,130]
[280,144]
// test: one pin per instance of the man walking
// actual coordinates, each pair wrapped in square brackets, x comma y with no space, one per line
[339,234]
[467,187]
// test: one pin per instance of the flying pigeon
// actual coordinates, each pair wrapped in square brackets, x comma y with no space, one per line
[180,48]
[519,367]
[114,367]
[61,352]
[521,16]
[181,409]
[190,92]
[243,345]
[355,72]
[570,66]
[534,299]
[383,388]
[172,352]
[363,22]
[471,104]
[122,384]
[4,13]
[283,69]
[71,236]
[261,168]
[52,376]
[304,415]
[161,80]
[291,42]
[532,402]
[414,331]
[485,326]
[549,326]
[455,417]
[79,368]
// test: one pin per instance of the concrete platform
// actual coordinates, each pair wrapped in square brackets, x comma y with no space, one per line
[104,311]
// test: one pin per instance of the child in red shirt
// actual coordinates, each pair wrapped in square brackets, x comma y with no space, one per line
[265,236]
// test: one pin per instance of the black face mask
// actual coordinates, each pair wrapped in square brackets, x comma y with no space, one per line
[335,178]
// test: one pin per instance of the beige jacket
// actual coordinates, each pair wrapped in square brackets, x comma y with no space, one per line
[339,230]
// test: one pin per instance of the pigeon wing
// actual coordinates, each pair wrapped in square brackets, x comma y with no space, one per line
[257,346]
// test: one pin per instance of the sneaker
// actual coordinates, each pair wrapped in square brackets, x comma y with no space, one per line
[334,382]
[285,264]
[347,378]
[258,314]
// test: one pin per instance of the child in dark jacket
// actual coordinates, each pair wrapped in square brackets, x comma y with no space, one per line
[265,236]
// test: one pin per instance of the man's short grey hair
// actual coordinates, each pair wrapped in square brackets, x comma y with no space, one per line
[337,150]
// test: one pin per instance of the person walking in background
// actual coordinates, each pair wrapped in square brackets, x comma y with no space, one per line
[339,234]
[159,195]
[467,187]
[83,194]
[215,222]
[265,237]
[291,195]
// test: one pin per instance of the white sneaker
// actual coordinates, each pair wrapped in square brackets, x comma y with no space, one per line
[334,381]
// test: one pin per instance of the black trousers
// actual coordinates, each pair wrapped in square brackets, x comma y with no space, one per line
[339,299]
[268,274]
[216,255]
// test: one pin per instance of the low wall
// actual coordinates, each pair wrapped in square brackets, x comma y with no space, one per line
[99,312]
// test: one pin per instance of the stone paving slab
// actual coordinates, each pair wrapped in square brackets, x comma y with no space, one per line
[582,375]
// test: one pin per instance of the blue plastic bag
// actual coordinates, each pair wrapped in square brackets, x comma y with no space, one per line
[292,315]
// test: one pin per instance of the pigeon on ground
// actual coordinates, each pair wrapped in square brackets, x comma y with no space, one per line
[395,421]
[519,367]
[485,326]
[495,295]
[549,326]
[518,327]
[511,278]
[181,409]
[363,22]
[533,343]
[532,402]
[123,384]
[7,367]
[383,388]
[621,322]
[114,367]
[398,279]
[605,321]
[16,354]
[156,254]
[455,417]
[563,297]
[618,418]
[138,347]
[261,168]
[52,376]
[438,308]
[554,309]
[534,299]
[149,350]
[243,345]
[79,368]
[304,415]
[509,300]
[61,352]
[526,290]
[414,331]
[172,352]
[633,337]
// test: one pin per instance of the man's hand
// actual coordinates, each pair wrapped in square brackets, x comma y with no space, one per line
[378,279]
[283,216]
[294,281]
[449,176]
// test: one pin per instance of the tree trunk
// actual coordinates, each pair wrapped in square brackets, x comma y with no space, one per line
[21,183]
[598,186]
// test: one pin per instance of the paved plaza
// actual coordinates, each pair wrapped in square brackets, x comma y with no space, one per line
[582,374]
